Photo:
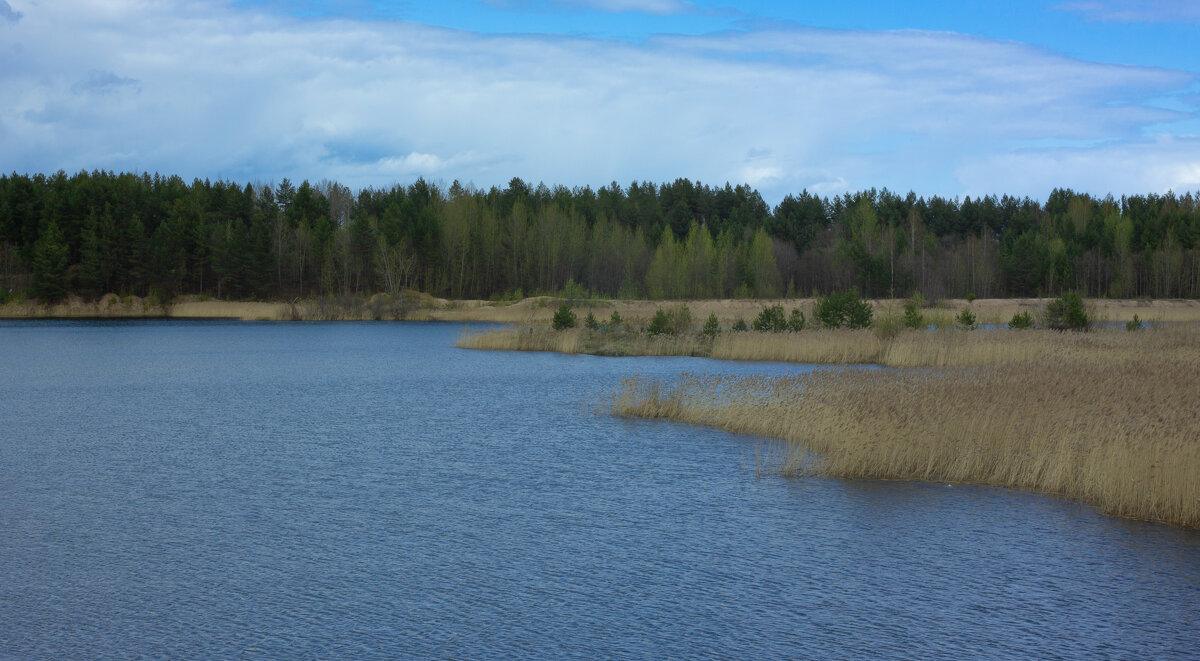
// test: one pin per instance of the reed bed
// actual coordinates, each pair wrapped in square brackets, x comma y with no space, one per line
[942,348]
[1115,424]
[582,340]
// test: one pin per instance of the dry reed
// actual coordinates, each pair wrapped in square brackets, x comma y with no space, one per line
[942,348]
[1110,419]
[582,340]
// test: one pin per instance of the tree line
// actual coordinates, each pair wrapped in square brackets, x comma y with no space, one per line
[97,232]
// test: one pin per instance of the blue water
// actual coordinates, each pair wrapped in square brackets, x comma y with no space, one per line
[221,490]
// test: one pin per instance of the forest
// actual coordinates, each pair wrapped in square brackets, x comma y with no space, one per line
[152,235]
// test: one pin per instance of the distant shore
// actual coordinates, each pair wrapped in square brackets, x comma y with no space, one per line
[539,310]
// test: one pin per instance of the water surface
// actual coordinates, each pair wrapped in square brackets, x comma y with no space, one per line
[216,490]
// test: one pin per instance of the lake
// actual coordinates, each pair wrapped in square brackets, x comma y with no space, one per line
[366,490]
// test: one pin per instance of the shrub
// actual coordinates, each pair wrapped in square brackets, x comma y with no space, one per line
[574,291]
[965,319]
[740,325]
[660,324]
[1134,324]
[1021,321]
[712,326]
[615,320]
[844,309]
[564,318]
[796,322]
[681,319]
[912,314]
[1067,313]
[771,320]
[970,297]
[590,323]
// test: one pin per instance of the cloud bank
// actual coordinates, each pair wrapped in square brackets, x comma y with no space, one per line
[209,90]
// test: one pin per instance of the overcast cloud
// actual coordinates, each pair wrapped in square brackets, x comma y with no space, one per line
[205,89]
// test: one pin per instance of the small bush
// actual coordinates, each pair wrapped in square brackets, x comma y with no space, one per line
[796,322]
[573,291]
[740,325]
[681,319]
[660,324]
[844,309]
[771,320]
[1067,312]
[965,319]
[912,314]
[590,323]
[970,297]
[564,318]
[712,326]
[1134,324]
[615,320]
[1021,321]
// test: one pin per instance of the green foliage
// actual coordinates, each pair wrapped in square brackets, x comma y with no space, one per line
[590,323]
[49,264]
[564,318]
[670,322]
[912,313]
[573,291]
[771,319]
[661,323]
[971,297]
[1134,324]
[1021,321]
[1067,312]
[844,310]
[740,325]
[129,233]
[965,319]
[796,321]
[712,326]
[615,320]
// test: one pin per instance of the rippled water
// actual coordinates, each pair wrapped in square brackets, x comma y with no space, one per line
[216,490]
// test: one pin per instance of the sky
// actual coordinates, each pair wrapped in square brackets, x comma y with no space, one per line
[946,97]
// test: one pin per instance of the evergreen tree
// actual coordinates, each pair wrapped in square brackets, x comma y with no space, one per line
[49,264]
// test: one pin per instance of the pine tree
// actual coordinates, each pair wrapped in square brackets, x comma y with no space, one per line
[49,264]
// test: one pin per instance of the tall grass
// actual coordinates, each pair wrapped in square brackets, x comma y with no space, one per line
[1115,424]
[942,348]
[583,340]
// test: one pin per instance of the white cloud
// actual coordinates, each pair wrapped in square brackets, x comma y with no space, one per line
[644,6]
[657,7]
[7,13]
[206,89]
[1154,165]
[1137,11]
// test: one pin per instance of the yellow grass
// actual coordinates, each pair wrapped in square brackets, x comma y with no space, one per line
[248,311]
[941,348]
[579,340]
[1110,419]
[539,310]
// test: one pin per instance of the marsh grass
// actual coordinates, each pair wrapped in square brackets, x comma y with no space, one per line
[1113,423]
[940,348]
[599,342]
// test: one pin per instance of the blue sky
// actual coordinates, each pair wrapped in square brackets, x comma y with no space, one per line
[952,98]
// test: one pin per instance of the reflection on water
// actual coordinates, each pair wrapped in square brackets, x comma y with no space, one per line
[219,489]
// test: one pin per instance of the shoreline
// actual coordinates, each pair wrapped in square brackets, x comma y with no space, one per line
[537,311]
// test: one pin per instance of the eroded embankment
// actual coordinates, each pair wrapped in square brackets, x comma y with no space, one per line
[1108,419]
